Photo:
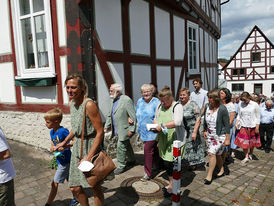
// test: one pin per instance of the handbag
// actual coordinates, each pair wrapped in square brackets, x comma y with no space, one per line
[103,164]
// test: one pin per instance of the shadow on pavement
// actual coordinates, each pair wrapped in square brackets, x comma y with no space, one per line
[127,194]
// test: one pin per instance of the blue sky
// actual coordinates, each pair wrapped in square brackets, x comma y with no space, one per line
[238,19]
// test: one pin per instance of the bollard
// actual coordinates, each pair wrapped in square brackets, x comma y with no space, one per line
[176,183]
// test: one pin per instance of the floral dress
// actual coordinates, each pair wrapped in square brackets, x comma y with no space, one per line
[215,142]
[194,152]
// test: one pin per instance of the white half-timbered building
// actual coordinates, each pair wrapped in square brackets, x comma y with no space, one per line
[167,42]
[251,68]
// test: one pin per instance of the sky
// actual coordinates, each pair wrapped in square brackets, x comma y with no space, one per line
[238,19]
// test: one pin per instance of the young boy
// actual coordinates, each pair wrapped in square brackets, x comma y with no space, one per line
[58,133]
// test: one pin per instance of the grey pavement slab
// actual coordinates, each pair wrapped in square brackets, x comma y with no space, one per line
[250,184]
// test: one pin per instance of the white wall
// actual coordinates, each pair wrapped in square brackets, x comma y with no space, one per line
[39,95]
[102,92]
[108,23]
[139,27]
[64,73]
[177,75]
[179,38]
[5,35]
[163,76]
[249,86]
[141,74]
[7,88]
[61,21]
[162,33]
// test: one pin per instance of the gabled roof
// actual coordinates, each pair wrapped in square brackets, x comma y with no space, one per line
[254,28]
[222,64]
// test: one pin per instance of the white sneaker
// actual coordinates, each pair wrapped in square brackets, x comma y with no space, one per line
[233,154]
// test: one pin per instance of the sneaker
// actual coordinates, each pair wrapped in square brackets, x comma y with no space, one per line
[233,154]
[73,202]
[118,171]
[145,178]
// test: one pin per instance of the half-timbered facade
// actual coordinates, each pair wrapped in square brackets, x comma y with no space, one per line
[251,68]
[132,42]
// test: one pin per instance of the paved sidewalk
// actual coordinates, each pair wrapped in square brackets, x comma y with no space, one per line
[252,184]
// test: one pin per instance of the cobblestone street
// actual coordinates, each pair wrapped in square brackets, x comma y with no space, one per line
[252,184]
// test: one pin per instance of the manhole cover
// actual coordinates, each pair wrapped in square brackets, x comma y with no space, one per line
[147,190]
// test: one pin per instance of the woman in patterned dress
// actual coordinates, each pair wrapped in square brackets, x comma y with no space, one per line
[226,98]
[194,152]
[76,88]
[216,131]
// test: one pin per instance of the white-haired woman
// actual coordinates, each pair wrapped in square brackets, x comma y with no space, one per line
[145,113]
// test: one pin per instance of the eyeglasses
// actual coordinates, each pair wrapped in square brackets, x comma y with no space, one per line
[71,87]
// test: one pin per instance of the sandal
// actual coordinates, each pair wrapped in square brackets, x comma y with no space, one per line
[250,157]
[245,160]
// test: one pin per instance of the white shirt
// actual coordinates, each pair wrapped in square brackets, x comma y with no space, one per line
[230,107]
[249,115]
[177,116]
[7,171]
[211,122]
[199,97]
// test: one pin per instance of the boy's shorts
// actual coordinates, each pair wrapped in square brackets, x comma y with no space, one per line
[7,193]
[62,173]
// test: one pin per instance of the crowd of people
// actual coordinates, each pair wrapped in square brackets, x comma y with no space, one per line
[213,123]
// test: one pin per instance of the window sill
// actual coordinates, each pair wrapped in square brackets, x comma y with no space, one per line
[35,82]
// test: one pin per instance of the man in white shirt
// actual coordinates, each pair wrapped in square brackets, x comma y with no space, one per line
[199,95]
[7,173]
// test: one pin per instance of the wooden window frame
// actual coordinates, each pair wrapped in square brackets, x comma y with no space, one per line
[238,85]
[42,72]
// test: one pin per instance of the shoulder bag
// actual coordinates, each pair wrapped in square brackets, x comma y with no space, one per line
[103,164]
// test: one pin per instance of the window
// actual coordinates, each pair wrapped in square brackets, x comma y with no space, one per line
[256,56]
[33,38]
[237,87]
[272,69]
[241,72]
[258,88]
[272,88]
[235,72]
[193,45]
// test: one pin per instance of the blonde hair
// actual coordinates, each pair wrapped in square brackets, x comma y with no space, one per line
[146,86]
[186,89]
[80,81]
[165,92]
[54,114]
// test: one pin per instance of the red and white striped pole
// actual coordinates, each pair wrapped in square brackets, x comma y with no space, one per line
[176,183]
